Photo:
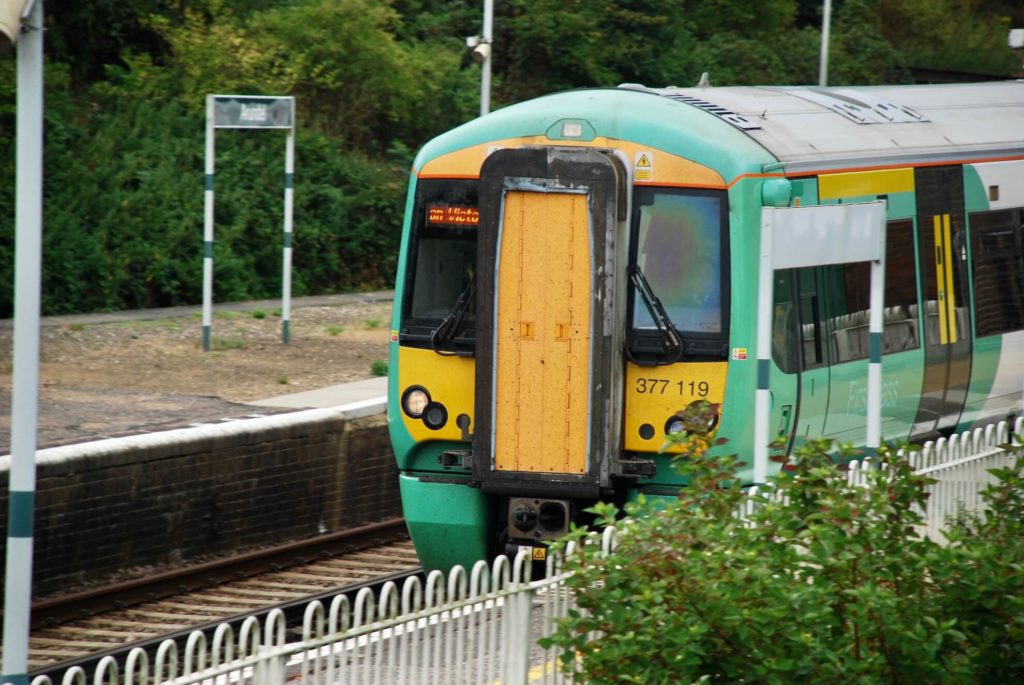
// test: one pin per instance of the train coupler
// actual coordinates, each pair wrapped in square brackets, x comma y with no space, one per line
[456,459]
[638,468]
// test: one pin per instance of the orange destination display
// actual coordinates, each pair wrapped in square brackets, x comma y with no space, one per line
[449,215]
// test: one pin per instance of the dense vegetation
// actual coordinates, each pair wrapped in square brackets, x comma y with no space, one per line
[374,79]
[828,584]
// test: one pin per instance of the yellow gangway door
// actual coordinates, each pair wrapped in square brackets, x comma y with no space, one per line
[542,363]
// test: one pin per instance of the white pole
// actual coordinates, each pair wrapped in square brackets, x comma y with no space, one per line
[28,222]
[826,21]
[765,296]
[208,228]
[875,328]
[485,79]
[286,278]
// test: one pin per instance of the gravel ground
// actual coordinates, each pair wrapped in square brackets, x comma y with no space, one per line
[122,373]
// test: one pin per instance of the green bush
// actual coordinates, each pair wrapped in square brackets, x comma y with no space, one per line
[828,583]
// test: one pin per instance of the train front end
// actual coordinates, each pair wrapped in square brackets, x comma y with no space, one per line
[563,293]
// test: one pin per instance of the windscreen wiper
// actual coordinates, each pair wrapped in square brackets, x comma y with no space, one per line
[671,341]
[446,331]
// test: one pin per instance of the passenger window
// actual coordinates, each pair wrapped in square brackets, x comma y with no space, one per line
[849,300]
[901,320]
[998,271]
[784,324]
[810,318]
[849,296]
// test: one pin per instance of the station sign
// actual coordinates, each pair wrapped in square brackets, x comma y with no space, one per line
[253,111]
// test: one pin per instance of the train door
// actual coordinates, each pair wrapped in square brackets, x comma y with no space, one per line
[945,300]
[550,221]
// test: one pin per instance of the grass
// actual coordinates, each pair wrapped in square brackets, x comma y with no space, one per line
[220,344]
[258,314]
[372,323]
[228,314]
[334,329]
[379,368]
[283,380]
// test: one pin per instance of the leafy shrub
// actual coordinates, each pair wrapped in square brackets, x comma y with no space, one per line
[379,368]
[829,583]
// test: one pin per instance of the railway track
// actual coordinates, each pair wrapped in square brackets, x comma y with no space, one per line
[80,629]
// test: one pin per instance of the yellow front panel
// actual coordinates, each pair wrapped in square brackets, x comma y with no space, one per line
[865,183]
[542,360]
[449,380]
[654,393]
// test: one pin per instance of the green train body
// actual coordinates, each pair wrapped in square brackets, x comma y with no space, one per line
[529,374]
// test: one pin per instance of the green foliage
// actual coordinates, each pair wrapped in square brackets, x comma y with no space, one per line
[828,583]
[126,82]
[379,368]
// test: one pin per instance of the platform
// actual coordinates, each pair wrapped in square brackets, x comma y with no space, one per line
[372,391]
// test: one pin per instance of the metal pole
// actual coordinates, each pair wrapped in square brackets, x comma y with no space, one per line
[826,21]
[762,411]
[25,393]
[875,328]
[485,78]
[286,278]
[208,228]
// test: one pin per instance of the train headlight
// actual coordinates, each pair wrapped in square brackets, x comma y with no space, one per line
[674,425]
[414,401]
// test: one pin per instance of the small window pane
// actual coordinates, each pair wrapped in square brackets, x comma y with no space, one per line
[901,326]
[849,297]
[784,324]
[998,271]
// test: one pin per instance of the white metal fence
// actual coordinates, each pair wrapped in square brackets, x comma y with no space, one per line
[481,627]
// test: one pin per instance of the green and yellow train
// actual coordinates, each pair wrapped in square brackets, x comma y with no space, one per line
[577,269]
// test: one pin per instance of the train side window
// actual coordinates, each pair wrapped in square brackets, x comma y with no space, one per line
[679,245]
[785,350]
[900,331]
[996,248]
[810,318]
[848,288]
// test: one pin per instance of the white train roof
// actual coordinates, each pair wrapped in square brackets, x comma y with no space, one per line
[809,128]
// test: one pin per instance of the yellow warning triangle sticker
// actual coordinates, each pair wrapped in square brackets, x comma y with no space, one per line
[643,161]
[539,553]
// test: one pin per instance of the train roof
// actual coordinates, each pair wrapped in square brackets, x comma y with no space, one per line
[808,128]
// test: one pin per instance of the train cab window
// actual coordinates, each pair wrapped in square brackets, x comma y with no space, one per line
[439,303]
[677,260]
[996,249]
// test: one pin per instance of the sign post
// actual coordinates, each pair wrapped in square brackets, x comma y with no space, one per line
[797,237]
[256,112]
[28,222]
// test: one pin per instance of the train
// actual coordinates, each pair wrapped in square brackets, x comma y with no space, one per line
[577,269]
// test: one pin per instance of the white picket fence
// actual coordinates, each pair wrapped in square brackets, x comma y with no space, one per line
[481,627]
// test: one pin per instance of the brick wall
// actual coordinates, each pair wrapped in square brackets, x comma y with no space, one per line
[170,498]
